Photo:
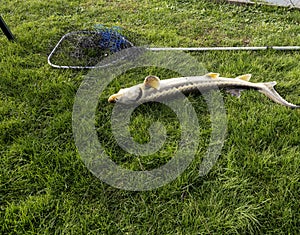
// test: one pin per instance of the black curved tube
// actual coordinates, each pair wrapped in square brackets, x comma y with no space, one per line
[6,30]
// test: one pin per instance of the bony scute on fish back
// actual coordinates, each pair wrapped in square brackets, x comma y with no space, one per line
[155,89]
[152,81]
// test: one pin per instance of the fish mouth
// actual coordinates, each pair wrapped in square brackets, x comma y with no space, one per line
[114,98]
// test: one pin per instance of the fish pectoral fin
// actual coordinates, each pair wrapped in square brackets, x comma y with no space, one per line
[152,82]
[245,77]
[235,92]
[213,75]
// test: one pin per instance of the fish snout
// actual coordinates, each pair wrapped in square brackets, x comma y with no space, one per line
[114,98]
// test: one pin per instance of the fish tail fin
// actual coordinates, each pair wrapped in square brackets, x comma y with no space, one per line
[268,89]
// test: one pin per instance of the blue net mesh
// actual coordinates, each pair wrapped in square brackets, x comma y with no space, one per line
[112,39]
[85,49]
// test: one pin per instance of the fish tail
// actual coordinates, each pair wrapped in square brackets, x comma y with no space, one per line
[267,88]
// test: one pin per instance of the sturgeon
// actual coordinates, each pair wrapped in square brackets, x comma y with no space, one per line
[154,89]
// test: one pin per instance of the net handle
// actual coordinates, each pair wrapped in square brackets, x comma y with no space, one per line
[277,48]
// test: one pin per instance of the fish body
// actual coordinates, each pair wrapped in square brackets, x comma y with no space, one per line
[154,89]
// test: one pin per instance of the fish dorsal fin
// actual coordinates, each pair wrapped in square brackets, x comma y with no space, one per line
[213,75]
[245,77]
[152,82]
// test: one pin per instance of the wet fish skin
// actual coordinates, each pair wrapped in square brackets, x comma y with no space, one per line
[155,89]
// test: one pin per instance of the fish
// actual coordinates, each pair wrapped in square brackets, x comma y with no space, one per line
[154,89]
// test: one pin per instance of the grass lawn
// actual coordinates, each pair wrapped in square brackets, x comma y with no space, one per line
[45,188]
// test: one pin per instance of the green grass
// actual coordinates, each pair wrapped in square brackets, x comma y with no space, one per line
[46,189]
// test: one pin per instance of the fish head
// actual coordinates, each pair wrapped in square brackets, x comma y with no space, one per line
[127,95]
[135,93]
